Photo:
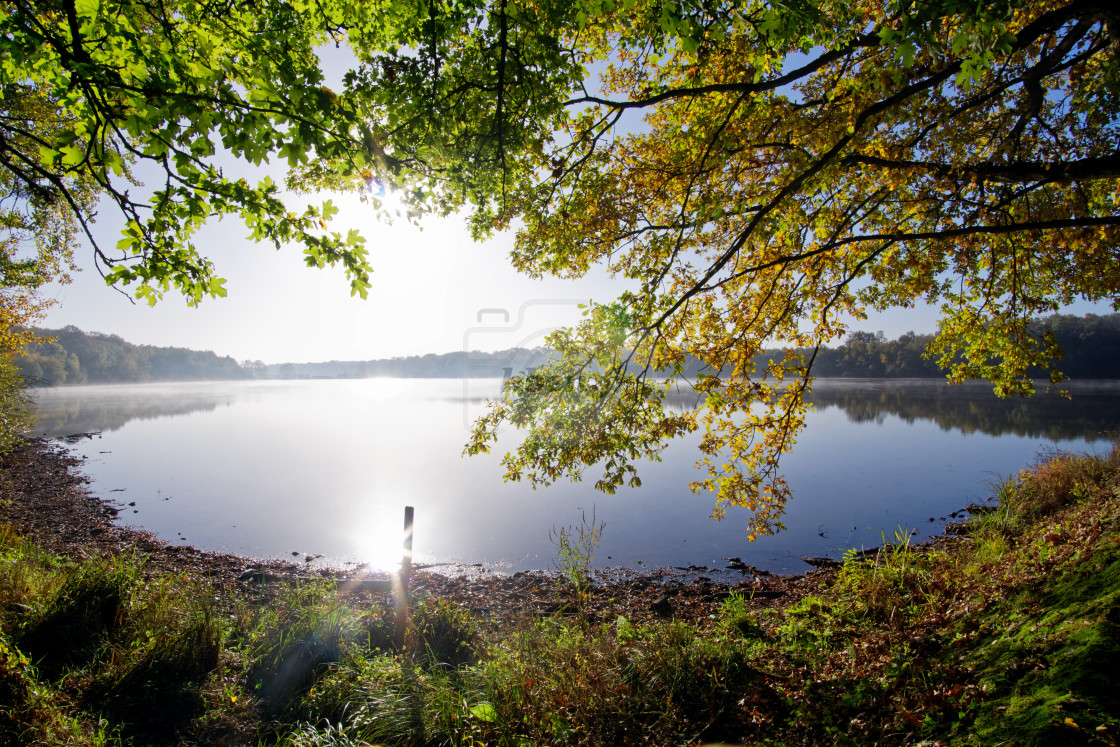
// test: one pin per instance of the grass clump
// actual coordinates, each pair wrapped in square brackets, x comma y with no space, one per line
[70,626]
[114,646]
[290,641]
[1057,480]
[367,696]
[619,684]
[151,671]
[443,633]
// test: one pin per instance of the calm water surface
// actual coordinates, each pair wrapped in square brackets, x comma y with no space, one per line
[325,467]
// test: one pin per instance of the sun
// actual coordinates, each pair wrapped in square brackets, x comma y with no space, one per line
[391,202]
[386,200]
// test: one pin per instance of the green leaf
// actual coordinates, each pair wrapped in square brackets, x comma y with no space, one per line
[72,155]
[485,712]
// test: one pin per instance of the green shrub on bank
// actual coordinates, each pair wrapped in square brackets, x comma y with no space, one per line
[618,684]
[17,408]
[1010,636]
[1056,481]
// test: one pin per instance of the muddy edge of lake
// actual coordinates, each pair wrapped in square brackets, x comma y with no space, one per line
[44,497]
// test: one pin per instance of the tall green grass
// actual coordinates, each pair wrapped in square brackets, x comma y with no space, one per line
[124,648]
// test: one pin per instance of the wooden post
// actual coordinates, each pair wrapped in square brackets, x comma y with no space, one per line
[406,573]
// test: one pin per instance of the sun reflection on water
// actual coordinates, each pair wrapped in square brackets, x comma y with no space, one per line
[383,390]
[377,540]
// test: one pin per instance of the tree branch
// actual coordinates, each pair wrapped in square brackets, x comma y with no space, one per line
[867,40]
[1083,169]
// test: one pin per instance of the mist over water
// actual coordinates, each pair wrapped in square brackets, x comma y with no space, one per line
[268,468]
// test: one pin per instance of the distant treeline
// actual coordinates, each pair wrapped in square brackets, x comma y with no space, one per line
[430,366]
[1091,344]
[77,357]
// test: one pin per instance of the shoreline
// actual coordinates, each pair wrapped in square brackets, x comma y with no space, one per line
[45,499]
[1006,633]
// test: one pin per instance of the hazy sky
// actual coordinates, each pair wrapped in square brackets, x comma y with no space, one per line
[428,289]
[434,290]
[431,291]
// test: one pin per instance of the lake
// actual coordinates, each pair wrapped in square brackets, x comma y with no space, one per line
[273,468]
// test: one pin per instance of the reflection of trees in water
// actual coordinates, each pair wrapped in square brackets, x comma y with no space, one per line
[84,410]
[969,408]
[973,407]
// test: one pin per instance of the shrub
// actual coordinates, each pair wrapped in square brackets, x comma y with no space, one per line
[1056,481]
[735,617]
[17,408]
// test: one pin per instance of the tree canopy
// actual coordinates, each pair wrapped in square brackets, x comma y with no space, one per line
[36,232]
[163,92]
[759,172]
[36,236]
[798,166]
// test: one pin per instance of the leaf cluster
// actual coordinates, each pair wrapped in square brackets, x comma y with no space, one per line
[801,167]
[164,92]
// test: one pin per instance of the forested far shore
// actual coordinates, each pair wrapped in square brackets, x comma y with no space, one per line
[77,357]
[1091,344]
[72,357]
